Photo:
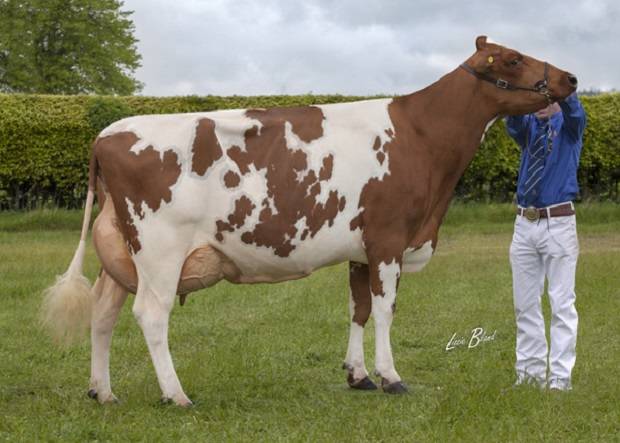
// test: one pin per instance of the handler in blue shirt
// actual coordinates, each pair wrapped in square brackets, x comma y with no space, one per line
[545,240]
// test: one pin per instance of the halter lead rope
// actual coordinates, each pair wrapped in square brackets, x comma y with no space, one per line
[540,87]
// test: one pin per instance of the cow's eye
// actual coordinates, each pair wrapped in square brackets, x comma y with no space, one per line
[515,62]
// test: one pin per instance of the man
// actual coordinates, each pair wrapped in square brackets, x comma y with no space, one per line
[545,240]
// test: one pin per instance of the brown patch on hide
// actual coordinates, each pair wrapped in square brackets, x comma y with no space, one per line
[265,214]
[292,188]
[328,165]
[377,144]
[231,179]
[143,178]
[360,292]
[206,149]
[306,121]
[238,156]
[356,222]
[341,204]
[243,209]
[298,161]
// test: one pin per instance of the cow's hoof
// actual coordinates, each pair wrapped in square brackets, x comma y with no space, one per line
[183,402]
[365,384]
[107,399]
[102,398]
[398,387]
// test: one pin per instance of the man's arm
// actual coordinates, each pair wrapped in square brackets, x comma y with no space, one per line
[517,127]
[574,117]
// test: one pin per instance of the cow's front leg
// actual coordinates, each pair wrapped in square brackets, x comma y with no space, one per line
[384,275]
[359,308]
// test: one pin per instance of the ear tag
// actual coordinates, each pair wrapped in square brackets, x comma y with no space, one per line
[490,59]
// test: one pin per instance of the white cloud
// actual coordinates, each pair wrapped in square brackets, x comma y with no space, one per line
[358,47]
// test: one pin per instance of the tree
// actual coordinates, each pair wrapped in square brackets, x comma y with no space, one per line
[67,47]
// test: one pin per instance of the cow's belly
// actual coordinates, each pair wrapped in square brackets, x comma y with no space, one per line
[331,248]
[331,245]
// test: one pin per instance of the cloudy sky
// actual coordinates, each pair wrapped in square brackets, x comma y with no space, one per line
[359,46]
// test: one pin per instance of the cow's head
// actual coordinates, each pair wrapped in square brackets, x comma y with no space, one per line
[517,83]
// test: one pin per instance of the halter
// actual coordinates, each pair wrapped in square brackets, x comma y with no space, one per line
[540,87]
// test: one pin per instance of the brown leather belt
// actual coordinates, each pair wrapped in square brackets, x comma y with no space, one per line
[533,214]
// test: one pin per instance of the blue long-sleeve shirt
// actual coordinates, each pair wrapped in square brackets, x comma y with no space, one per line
[559,179]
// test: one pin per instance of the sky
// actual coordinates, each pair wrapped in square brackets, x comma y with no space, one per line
[359,47]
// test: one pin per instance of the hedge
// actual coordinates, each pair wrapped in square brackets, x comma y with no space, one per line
[45,144]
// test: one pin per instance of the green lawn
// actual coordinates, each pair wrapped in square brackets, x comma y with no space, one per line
[263,362]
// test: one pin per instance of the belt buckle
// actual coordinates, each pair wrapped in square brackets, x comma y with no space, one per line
[531,213]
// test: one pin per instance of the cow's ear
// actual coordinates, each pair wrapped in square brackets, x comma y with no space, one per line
[481,42]
[482,63]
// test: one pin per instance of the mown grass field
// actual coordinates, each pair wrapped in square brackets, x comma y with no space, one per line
[263,362]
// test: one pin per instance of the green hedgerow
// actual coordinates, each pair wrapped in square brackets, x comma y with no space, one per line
[45,144]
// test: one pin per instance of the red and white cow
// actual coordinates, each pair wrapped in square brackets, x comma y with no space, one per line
[266,195]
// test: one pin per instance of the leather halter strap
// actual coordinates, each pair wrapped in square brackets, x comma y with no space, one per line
[540,87]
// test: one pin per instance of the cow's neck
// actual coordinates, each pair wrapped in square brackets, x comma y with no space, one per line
[444,124]
[450,117]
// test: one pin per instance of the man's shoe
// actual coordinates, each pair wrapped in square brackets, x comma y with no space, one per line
[560,384]
[530,380]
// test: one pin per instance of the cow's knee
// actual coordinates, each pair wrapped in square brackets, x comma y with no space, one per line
[361,313]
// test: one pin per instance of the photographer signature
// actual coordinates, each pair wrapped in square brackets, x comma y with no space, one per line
[478,335]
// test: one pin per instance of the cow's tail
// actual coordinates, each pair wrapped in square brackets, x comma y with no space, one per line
[67,304]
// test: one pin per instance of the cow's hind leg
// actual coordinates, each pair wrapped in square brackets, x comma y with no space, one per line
[109,299]
[154,301]
[384,275]
[359,308]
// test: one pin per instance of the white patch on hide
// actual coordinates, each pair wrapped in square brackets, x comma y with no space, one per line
[388,274]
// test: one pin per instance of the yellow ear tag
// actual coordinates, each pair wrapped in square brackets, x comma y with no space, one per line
[490,59]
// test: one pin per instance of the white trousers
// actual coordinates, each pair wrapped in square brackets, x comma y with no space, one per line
[545,248]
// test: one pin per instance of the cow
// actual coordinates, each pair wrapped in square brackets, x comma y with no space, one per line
[267,195]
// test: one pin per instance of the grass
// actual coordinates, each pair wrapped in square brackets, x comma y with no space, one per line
[262,362]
